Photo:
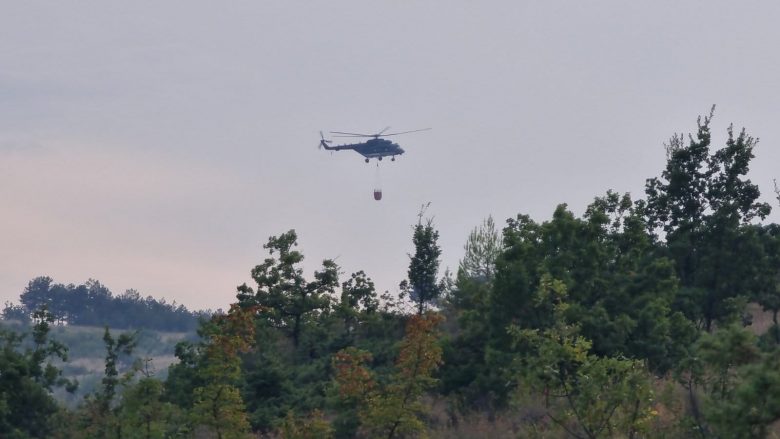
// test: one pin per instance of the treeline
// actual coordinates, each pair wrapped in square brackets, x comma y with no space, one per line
[628,321]
[92,304]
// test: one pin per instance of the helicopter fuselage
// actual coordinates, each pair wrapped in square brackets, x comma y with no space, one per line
[371,149]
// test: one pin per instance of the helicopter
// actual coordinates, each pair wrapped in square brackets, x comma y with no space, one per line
[375,147]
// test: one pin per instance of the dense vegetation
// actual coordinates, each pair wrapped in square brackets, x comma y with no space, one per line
[92,304]
[628,321]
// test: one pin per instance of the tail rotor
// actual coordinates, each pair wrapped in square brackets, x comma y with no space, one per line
[323,141]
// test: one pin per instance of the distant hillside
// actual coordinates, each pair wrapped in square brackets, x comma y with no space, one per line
[92,304]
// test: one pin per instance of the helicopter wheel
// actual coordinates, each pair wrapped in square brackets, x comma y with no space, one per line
[392,159]
[380,159]
[366,160]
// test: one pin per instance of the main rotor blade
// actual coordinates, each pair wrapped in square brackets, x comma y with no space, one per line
[352,134]
[380,133]
[404,132]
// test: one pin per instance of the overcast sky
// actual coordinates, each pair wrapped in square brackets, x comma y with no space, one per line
[157,145]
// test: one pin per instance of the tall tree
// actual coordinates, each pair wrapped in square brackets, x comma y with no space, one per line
[464,372]
[283,293]
[218,404]
[101,411]
[701,203]
[423,285]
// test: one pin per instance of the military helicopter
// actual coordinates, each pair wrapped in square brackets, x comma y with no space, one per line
[375,147]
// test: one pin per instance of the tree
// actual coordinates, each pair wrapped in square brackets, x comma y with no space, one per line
[358,296]
[16,312]
[143,410]
[37,294]
[93,304]
[619,288]
[465,372]
[422,285]
[768,293]
[482,248]
[393,410]
[777,190]
[123,345]
[218,405]
[587,395]
[713,371]
[101,411]
[27,379]
[282,292]
[702,203]
[753,403]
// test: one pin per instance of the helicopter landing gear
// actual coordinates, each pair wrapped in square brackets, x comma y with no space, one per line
[380,158]
[392,159]
[366,160]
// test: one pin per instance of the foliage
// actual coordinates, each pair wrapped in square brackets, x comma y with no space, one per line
[282,291]
[753,403]
[395,409]
[703,204]
[567,325]
[481,251]
[144,412]
[16,313]
[587,395]
[358,302]
[92,304]
[27,378]
[619,289]
[423,286]
[465,373]
[713,370]
[100,415]
[313,426]
[218,405]
[768,294]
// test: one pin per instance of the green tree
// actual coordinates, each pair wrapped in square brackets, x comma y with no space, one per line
[358,299]
[143,410]
[768,294]
[482,248]
[27,378]
[282,291]
[712,373]
[702,203]
[100,416]
[465,372]
[620,290]
[753,403]
[218,405]
[587,395]
[423,285]
[16,312]
[393,410]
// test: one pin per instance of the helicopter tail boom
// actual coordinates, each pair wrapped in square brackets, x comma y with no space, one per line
[324,144]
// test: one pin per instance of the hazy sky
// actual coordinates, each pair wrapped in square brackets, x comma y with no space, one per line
[157,145]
